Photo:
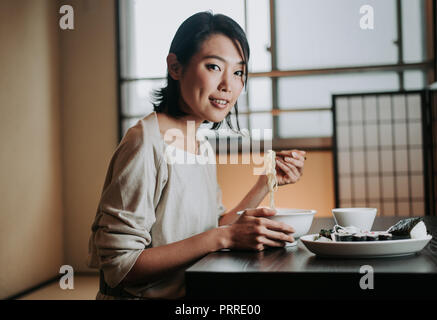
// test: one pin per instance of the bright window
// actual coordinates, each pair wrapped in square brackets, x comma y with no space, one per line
[302,52]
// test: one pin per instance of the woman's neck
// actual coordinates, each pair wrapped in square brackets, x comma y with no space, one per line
[181,133]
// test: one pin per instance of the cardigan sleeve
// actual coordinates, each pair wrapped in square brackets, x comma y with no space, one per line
[126,211]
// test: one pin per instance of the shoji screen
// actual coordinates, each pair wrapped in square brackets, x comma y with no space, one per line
[379,152]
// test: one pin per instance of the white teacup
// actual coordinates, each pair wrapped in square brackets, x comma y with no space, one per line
[361,218]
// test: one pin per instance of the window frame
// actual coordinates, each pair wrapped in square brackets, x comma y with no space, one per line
[429,66]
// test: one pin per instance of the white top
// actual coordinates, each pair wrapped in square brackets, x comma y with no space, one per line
[149,199]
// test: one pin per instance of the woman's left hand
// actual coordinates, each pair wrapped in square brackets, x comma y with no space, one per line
[289,166]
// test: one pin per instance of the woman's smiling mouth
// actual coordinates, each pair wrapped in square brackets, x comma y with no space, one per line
[219,103]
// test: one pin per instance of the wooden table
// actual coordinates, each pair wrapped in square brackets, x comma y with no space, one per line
[295,272]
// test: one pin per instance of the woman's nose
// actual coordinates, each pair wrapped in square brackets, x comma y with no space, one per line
[225,84]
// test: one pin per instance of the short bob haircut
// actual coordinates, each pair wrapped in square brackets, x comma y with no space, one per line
[186,43]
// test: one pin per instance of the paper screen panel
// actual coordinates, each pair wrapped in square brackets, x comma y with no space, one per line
[379,152]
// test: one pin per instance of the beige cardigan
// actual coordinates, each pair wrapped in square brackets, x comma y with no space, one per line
[150,199]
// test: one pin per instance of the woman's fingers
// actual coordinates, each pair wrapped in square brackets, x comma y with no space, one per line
[295,170]
[269,242]
[295,162]
[257,231]
[275,230]
[276,226]
[297,154]
[260,212]
[277,236]
[288,170]
[262,220]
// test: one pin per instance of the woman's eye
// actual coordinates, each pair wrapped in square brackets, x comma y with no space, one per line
[239,73]
[213,67]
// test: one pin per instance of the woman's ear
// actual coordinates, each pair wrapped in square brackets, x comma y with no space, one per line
[173,66]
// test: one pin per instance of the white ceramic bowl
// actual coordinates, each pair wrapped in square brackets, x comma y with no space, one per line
[361,218]
[299,219]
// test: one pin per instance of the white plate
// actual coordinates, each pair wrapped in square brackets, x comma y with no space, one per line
[364,249]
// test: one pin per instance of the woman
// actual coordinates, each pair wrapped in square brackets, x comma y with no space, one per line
[156,218]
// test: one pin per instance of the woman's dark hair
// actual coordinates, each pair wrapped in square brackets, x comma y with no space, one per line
[186,43]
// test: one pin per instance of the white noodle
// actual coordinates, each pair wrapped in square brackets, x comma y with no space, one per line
[270,167]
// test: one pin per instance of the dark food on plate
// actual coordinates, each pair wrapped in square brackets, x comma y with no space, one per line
[411,228]
[359,237]
[372,236]
[385,236]
[326,233]
[343,237]
[403,228]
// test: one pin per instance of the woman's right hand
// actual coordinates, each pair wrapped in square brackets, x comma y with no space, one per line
[253,230]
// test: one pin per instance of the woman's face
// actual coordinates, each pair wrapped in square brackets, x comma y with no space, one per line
[213,79]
